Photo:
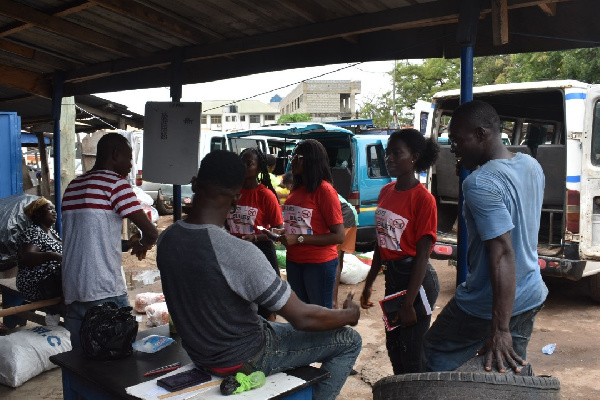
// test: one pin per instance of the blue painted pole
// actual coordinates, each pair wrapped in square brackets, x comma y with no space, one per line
[57,92]
[466,95]
[176,91]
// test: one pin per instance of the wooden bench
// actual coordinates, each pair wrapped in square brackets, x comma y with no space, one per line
[16,311]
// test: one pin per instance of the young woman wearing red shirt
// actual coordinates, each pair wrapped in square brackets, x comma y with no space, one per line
[406,223]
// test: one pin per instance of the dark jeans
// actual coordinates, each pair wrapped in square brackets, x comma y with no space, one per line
[313,283]
[404,345]
[268,249]
[455,337]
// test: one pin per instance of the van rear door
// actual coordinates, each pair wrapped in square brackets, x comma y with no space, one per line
[590,177]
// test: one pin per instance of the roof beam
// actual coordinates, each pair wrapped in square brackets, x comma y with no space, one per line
[425,14]
[548,8]
[152,17]
[500,22]
[73,8]
[67,29]
[26,81]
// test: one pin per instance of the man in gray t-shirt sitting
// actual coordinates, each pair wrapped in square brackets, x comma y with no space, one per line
[213,283]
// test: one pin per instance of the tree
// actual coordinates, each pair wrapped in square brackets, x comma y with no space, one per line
[285,118]
[416,81]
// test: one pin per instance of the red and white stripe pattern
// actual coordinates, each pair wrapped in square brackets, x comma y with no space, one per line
[102,190]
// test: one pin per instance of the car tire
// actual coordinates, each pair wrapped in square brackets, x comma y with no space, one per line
[593,282]
[454,385]
[161,207]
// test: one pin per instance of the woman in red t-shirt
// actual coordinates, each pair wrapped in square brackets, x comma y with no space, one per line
[406,223]
[257,207]
[313,226]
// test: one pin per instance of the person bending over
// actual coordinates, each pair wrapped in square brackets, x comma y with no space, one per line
[213,283]
[493,311]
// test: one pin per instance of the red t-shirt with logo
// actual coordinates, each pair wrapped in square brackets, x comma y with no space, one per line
[402,219]
[313,213]
[257,206]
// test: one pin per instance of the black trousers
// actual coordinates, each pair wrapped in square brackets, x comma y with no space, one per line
[404,345]
[268,249]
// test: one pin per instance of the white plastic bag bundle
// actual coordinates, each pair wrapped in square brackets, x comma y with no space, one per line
[143,300]
[354,270]
[26,353]
[157,314]
[142,196]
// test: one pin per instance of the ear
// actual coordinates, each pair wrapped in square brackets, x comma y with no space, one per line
[480,133]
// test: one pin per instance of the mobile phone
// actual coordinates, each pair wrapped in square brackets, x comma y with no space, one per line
[183,380]
[270,234]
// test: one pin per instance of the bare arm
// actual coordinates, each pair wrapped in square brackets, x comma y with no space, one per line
[310,317]
[149,234]
[499,345]
[30,256]
[335,236]
[375,267]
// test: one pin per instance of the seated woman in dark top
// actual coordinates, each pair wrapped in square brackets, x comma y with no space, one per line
[39,253]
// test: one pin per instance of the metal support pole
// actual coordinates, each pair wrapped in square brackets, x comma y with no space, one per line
[466,95]
[57,92]
[176,90]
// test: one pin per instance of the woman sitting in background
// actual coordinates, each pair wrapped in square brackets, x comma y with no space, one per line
[39,253]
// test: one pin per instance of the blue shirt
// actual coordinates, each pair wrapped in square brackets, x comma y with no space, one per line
[503,195]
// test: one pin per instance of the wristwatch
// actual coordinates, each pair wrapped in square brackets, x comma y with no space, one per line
[300,239]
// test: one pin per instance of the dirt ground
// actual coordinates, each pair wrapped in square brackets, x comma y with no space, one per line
[568,319]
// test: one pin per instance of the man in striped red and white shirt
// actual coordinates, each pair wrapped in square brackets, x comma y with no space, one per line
[93,208]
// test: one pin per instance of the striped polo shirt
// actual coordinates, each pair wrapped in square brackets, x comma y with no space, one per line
[93,208]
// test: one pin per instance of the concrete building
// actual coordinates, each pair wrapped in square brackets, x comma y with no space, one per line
[324,100]
[223,115]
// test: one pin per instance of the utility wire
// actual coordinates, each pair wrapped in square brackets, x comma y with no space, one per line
[93,116]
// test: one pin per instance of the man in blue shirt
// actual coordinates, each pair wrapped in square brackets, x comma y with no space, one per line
[493,311]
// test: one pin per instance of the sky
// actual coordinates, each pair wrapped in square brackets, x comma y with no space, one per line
[373,75]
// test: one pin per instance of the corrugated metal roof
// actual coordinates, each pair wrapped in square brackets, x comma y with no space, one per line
[112,45]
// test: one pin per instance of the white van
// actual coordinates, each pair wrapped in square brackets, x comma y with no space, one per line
[558,122]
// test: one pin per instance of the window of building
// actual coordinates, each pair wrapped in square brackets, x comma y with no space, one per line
[215,119]
[227,118]
[203,120]
[255,119]
[269,117]
[242,118]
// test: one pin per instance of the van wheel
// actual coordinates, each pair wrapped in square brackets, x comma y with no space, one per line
[594,287]
[161,207]
[453,385]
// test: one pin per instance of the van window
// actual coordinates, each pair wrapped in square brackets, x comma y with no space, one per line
[217,143]
[376,161]
[596,135]
[536,133]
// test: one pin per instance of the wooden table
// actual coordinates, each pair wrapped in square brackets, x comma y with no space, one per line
[103,380]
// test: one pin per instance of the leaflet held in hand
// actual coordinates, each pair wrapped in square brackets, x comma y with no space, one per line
[392,304]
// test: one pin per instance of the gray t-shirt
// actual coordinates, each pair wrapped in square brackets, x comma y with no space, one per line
[212,283]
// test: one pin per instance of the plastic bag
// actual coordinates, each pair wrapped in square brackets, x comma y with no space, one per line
[107,332]
[26,353]
[142,300]
[142,196]
[152,343]
[158,314]
[354,270]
